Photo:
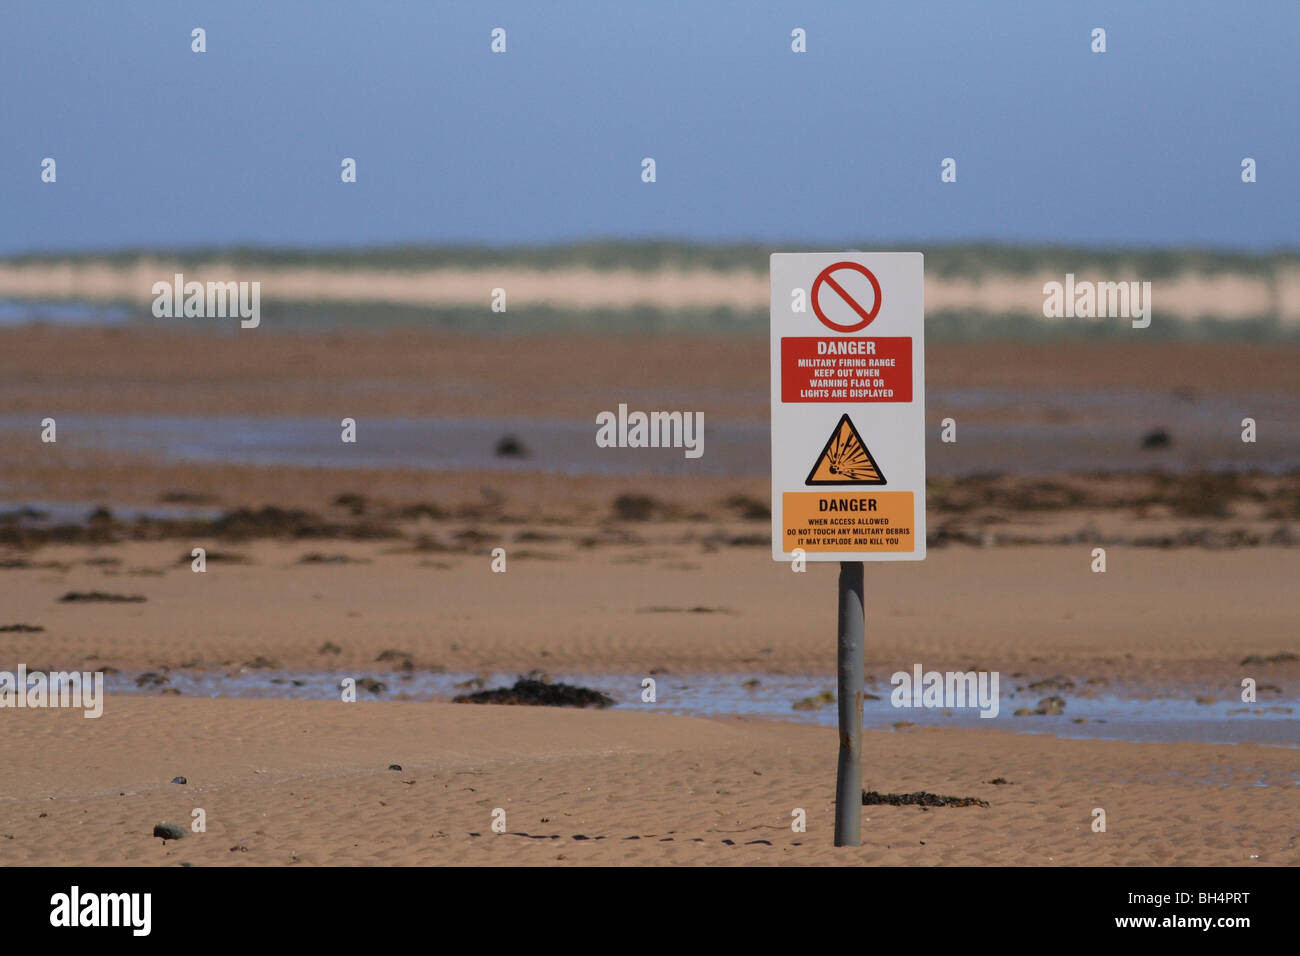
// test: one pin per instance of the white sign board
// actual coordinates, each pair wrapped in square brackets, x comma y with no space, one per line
[848,406]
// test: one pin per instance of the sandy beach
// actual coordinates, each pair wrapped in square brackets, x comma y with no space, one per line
[664,597]
[360,571]
[301,783]
[44,370]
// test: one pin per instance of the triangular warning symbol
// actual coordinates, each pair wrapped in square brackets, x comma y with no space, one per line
[845,460]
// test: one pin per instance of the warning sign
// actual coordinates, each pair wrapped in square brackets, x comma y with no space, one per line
[844,521]
[848,406]
[858,369]
[845,460]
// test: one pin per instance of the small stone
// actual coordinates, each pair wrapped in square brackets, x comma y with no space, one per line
[511,447]
[1157,438]
[394,766]
[180,780]
[169,831]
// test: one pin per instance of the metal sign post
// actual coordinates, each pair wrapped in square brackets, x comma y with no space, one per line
[848,777]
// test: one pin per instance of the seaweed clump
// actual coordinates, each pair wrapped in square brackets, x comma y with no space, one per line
[530,692]
[921,798]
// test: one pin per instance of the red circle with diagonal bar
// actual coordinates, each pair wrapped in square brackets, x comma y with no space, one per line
[825,277]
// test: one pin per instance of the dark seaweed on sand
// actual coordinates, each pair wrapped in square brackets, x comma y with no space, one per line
[538,694]
[1282,658]
[75,596]
[919,799]
[634,507]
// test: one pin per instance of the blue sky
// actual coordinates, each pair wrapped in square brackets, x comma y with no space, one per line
[159,146]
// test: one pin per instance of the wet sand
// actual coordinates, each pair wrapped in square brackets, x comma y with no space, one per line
[625,598]
[610,575]
[441,402]
[46,370]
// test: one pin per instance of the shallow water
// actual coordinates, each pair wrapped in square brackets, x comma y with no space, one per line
[43,514]
[15,312]
[1108,716]
[1095,432]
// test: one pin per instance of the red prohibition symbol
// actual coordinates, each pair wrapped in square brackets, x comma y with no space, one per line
[826,277]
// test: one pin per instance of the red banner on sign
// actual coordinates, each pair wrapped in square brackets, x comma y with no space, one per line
[843,369]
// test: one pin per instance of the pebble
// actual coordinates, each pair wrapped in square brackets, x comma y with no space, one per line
[169,831]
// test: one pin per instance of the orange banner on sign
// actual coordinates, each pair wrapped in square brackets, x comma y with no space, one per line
[848,521]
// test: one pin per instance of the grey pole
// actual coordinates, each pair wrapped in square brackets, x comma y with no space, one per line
[848,778]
